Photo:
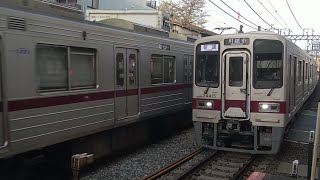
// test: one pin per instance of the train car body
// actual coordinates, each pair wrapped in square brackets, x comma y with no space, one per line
[64,79]
[247,88]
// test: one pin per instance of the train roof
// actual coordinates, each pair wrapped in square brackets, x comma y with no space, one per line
[239,35]
[90,23]
[252,33]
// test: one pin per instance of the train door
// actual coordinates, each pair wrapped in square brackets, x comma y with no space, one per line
[126,95]
[2,123]
[188,71]
[291,83]
[235,102]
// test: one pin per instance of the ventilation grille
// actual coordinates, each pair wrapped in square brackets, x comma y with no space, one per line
[17,23]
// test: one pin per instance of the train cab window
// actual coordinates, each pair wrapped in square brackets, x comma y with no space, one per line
[267,64]
[120,69]
[163,69]
[65,68]
[236,71]
[52,62]
[207,67]
[82,70]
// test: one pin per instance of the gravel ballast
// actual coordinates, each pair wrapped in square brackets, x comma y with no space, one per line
[145,160]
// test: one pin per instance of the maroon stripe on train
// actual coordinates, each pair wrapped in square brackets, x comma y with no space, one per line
[129,92]
[132,92]
[254,105]
[156,89]
[216,104]
[17,105]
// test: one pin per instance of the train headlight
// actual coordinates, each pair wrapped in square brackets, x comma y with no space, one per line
[209,104]
[269,107]
[206,104]
[264,106]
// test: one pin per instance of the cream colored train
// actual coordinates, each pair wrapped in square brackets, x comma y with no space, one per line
[247,88]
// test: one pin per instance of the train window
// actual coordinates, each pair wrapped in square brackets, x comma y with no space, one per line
[191,67]
[82,68]
[132,69]
[163,69]
[207,66]
[52,62]
[305,71]
[310,71]
[169,69]
[236,71]
[185,65]
[59,65]
[120,69]
[299,71]
[267,64]
[156,69]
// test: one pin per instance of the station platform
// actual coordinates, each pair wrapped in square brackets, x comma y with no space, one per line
[301,128]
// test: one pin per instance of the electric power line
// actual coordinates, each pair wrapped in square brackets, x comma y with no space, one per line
[232,16]
[293,15]
[270,13]
[278,14]
[256,13]
[238,13]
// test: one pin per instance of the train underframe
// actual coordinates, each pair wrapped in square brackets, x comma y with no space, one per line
[239,136]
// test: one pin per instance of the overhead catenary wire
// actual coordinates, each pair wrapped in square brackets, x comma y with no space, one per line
[270,13]
[257,13]
[238,13]
[294,15]
[232,16]
[278,14]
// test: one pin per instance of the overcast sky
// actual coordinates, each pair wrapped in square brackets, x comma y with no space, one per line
[307,13]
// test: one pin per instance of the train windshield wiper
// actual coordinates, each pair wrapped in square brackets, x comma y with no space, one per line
[271,91]
[207,89]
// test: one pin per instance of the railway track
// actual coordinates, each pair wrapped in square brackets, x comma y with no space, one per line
[204,164]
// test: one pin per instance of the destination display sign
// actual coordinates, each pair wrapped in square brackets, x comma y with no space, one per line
[209,47]
[236,41]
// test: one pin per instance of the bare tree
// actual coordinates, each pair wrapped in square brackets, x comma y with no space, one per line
[186,12]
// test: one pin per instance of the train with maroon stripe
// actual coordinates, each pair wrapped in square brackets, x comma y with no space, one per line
[63,79]
[247,88]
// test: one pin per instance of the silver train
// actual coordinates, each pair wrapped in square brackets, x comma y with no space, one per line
[247,88]
[64,79]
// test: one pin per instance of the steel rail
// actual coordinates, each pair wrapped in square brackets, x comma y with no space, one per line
[172,166]
[192,169]
[244,168]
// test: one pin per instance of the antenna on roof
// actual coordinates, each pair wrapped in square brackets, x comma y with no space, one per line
[241,31]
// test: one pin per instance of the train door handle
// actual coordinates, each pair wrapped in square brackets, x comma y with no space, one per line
[244,91]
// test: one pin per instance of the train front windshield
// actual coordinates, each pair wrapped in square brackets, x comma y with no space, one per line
[267,64]
[207,65]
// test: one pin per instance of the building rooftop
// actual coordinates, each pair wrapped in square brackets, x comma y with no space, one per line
[195,28]
[125,5]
